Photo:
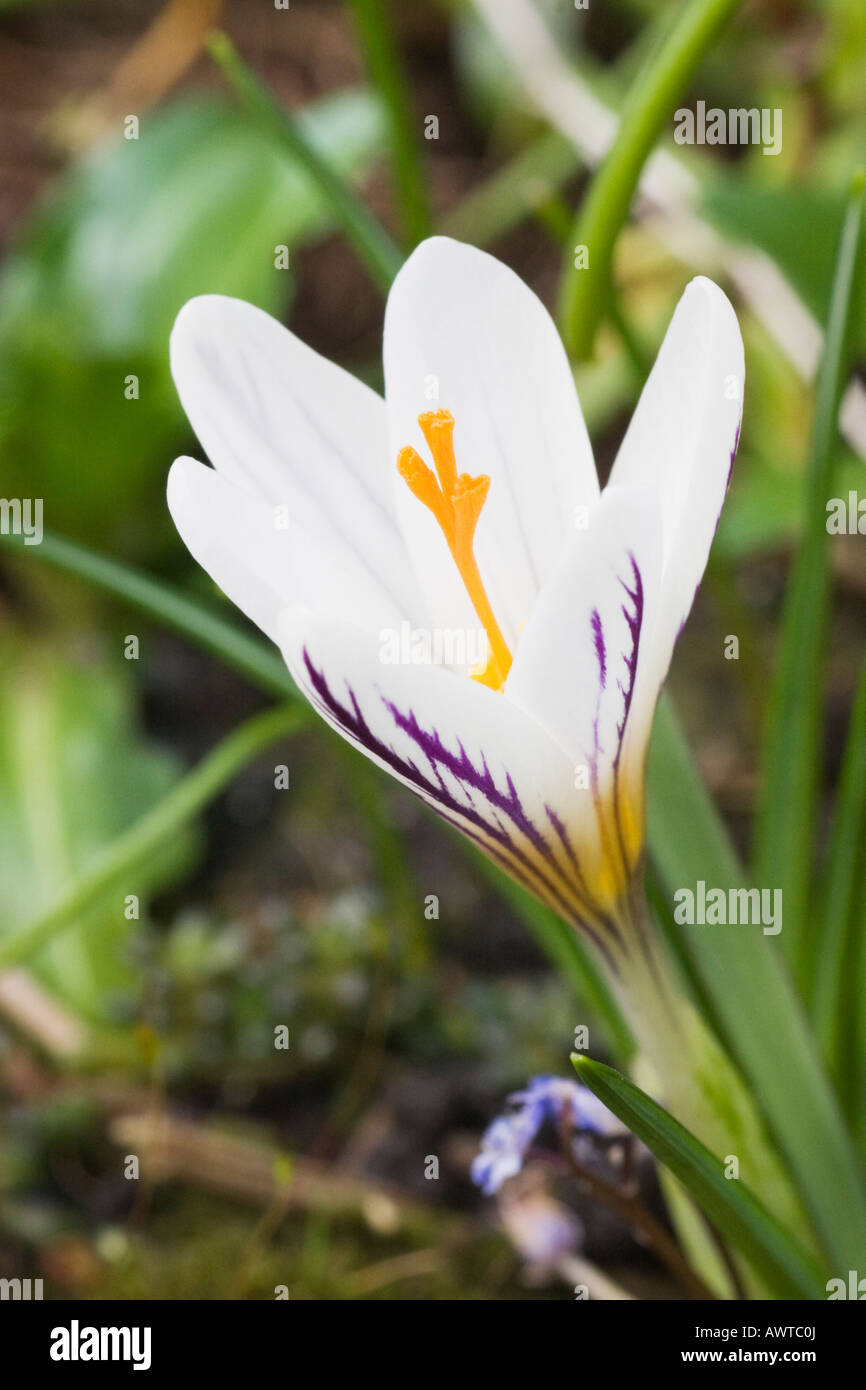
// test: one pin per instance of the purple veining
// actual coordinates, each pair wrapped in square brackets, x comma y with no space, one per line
[601,653]
[633,615]
[507,803]
[571,854]
[633,612]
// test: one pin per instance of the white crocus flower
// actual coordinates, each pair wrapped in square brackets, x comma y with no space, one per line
[469,498]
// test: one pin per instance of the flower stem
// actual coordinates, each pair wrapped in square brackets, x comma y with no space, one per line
[585,291]
[682,1062]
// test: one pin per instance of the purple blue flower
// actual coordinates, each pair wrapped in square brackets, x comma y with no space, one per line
[546,1100]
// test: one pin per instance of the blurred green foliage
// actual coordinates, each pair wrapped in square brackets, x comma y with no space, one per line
[798,225]
[74,772]
[197,205]
[88,295]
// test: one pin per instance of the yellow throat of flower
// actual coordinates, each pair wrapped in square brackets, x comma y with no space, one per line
[456,501]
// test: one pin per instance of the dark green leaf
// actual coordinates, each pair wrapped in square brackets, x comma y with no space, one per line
[832,942]
[739,1216]
[758,1013]
[787,812]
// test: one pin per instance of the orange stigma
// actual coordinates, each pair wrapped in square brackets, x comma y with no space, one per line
[456,501]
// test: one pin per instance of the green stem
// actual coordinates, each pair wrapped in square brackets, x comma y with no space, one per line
[682,1060]
[153,829]
[373,24]
[553,214]
[649,105]
[375,248]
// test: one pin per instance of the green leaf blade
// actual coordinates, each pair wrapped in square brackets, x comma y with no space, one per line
[759,1016]
[372,242]
[788,809]
[383,61]
[833,943]
[739,1215]
[131,852]
[649,104]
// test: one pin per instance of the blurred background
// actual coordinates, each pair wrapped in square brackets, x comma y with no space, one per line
[308,1166]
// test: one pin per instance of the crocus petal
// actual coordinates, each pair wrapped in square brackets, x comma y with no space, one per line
[300,434]
[231,534]
[461,325]
[681,441]
[485,767]
[580,665]
[258,562]
[591,610]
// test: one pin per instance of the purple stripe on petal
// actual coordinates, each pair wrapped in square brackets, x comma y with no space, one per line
[633,614]
[598,638]
[430,744]
[588,920]
[552,882]
[565,840]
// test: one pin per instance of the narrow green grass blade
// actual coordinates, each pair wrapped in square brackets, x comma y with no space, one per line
[118,861]
[650,103]
[384,66]
[831,959]
[375,247]
[260,663]
[739,1216]
[755,1007]
[792,752]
